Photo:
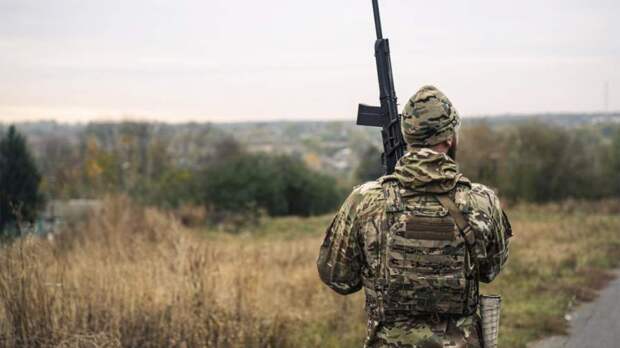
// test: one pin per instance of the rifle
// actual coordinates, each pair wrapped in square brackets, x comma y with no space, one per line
[385,116]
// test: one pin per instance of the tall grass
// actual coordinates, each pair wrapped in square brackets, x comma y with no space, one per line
[134,277]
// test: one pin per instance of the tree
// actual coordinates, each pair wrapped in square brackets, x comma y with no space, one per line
[20,199]
[369,167]
[479,153]
[613,165]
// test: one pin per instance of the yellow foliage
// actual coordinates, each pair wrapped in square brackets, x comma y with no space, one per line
[93,169]
[313,161]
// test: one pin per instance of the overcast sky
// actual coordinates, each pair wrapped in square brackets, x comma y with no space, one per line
[232,60]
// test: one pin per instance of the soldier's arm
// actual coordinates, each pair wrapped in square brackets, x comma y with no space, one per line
[340,260]
[493,230]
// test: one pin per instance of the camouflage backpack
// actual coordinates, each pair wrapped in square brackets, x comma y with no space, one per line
[426,267]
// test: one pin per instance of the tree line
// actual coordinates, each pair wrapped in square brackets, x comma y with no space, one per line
[531,162]
[228,181]
[535,162]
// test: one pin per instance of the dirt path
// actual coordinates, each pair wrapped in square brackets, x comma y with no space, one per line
[593,325]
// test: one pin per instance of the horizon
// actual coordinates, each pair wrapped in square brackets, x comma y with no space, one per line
[298,120]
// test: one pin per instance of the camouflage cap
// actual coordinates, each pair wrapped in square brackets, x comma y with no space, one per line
[428,118]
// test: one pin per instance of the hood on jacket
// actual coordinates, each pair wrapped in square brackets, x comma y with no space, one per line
[425,170]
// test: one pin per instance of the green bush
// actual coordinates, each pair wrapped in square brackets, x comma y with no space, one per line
[169,190]
[279,185]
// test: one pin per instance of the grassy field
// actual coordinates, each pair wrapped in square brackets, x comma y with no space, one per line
[133,277]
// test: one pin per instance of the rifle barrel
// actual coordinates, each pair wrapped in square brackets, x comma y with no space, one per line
[375,10]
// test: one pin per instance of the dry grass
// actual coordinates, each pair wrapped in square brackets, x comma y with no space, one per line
[133,277]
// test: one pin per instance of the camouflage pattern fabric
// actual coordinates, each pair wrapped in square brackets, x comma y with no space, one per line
[454,333]
[425,264]
[428,118]
[349,258]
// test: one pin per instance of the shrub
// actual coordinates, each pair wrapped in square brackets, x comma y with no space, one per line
[279,185]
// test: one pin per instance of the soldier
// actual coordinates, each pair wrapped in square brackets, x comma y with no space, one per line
[420,240]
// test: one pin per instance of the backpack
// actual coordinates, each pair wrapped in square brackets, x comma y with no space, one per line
[427,263]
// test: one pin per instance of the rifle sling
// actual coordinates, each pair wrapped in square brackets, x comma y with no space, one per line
[467,233]
[460,220]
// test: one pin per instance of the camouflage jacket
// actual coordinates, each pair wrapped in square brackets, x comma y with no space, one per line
[349,251]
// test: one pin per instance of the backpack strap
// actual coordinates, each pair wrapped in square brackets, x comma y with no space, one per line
[391,192]
[471,262]
[464,228]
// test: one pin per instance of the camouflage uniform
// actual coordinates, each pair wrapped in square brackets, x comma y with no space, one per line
[351,255]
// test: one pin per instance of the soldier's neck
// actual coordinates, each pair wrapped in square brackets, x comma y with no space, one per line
[443,147]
